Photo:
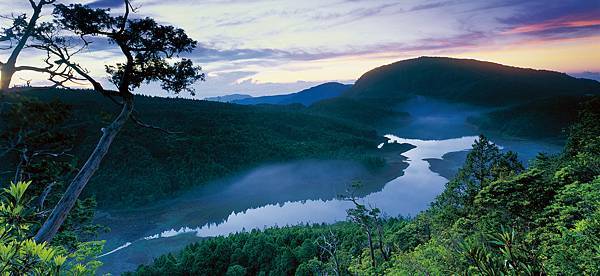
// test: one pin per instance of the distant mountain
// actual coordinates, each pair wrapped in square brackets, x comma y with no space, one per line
[587,75]
[305,97]
[228,98]
[467,81]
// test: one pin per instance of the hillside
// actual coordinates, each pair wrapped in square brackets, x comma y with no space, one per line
[305,97]
[493,218]
[466,81]
[217,139]
[541,118]
[366,112]
[526,103]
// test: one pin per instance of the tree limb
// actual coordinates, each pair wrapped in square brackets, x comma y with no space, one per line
[44,195]
[142,124]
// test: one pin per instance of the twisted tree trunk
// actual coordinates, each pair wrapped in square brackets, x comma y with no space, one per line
[8,69]
[66,203]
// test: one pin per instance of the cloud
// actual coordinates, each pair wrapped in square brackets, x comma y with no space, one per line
[572,25]
[229,83]
[206,53]
[433,5]
[536,11]
[246,44]
[548,18]
[106,3]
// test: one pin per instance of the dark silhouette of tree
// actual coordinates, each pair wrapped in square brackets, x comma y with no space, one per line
[16,37]
[149,50]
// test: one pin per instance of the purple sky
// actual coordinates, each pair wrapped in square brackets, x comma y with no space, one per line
[264,47]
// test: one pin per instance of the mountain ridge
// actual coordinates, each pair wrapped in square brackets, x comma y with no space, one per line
[466,80]
[305,97]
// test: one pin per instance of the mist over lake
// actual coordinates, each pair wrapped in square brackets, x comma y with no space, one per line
[307,192]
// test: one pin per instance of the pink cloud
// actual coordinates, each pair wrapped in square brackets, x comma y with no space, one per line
[578,21]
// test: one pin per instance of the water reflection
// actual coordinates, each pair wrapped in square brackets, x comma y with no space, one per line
[405,195]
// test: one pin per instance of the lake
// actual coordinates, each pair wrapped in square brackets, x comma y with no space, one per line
[304,191]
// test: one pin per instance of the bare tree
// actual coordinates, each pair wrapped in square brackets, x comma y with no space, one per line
[149,50]
[17,36]
[329,244]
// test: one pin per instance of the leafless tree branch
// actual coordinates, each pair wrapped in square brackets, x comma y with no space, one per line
[142,124]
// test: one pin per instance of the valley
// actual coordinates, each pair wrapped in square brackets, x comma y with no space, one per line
[307,192]
[229,168]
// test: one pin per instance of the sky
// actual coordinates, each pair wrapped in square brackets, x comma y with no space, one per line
[264,47]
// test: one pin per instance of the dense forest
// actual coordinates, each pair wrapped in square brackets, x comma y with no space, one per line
[208,140]
[494,217]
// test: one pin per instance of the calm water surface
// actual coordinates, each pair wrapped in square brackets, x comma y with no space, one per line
[141,235]
[304,191]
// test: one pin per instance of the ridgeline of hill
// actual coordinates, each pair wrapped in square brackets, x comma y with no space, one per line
[527,103]
[216,139]
[466,81]
[305,97]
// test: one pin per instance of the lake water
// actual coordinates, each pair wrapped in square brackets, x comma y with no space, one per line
[303,191]
[274,195]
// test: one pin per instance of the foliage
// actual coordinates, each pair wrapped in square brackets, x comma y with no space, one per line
[494,218]
[37,144]
[278,251]
[150,49]
[362,111]
[22,30]
[215,140]
[20,255]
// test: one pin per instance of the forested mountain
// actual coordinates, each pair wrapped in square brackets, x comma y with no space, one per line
[466,81]
[523,102]
[212,140]
[494,218]
[305,97]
